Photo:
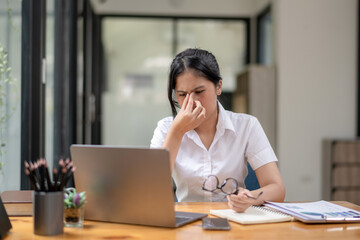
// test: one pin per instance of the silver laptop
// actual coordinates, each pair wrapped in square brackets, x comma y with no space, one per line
[127,185]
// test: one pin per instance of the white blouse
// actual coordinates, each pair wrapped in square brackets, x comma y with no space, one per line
[239,138]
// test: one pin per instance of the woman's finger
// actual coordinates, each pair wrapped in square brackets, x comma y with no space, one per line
[241,198]
[230,205]
[190,103]
[197,110]
[237,207]
[186,100]
[202,113]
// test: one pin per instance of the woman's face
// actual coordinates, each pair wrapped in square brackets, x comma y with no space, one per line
[200,88]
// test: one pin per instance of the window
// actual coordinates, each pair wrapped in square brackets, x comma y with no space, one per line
[138,53]
[265,38]
[10,88]
[226,39]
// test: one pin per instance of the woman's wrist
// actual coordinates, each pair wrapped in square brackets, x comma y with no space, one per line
[176,132]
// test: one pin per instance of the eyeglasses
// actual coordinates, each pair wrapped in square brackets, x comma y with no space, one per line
[229,186]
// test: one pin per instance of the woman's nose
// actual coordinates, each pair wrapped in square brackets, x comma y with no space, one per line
[194,96]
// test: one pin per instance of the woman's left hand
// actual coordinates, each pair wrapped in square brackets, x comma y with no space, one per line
[241,201]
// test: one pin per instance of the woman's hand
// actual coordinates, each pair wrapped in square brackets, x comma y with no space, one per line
[241,201]
[190,116]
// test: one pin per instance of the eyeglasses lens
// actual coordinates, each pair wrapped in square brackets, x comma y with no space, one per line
[211,183]
[229,186]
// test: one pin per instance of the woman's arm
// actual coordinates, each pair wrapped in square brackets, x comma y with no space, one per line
[271,184]
[188,118]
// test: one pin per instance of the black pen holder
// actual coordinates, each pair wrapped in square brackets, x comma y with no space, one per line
[48,213]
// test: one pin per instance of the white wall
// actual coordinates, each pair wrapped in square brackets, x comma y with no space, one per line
[316,46]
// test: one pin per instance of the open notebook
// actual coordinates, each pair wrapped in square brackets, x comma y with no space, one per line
[253,215]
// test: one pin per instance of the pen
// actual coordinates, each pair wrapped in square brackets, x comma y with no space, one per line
[255,198]
[248,196]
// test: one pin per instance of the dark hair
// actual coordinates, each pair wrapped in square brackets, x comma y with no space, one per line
[200,62]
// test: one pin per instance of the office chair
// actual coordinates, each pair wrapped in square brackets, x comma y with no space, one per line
[251,181]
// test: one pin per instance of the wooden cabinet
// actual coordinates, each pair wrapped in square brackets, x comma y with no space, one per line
[341,170]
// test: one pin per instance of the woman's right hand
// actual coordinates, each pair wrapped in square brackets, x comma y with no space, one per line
[241,201]
[190,116]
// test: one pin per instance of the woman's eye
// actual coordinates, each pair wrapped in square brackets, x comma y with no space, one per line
[198,92]
[182,95]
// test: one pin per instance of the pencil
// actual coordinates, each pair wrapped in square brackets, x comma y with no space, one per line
[60,170]
[39,176]
[31,177]
[41,168]
[55,178]
[63,177]
[49,185]
[35,175]
[68,175]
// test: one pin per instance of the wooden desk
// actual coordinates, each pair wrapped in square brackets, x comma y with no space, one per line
[23,229]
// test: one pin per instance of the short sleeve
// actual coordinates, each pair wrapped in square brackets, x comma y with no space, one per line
[160,132]
[259,151]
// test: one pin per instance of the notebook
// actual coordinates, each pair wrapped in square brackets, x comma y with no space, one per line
[253,215]
[127,185]
[317,212]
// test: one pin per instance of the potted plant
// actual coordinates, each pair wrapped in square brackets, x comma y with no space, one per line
[74,207]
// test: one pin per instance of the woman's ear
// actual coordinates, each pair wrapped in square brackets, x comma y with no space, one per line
[219,88]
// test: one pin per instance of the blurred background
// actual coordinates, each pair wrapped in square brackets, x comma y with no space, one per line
[95,71]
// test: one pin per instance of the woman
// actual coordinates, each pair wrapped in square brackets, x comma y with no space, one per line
[204,139]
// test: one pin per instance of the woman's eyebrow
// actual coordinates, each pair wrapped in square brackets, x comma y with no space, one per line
[194,89]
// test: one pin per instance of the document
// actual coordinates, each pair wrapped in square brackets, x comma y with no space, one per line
[317,212]
[253,215]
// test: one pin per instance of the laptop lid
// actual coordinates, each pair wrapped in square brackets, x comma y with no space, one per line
[125,185]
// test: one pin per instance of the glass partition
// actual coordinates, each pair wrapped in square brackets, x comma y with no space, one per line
[226,39]
[10,86]
[138,54]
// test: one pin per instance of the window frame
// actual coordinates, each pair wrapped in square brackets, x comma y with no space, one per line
[33,15]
